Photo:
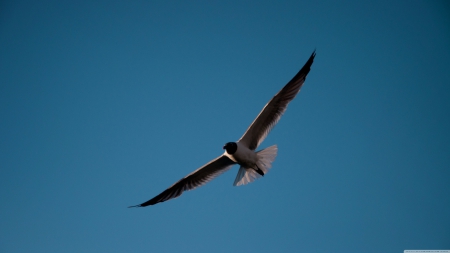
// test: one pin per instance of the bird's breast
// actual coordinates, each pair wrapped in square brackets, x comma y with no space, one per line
[244,156]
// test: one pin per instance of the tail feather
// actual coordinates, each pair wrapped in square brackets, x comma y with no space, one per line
[265,159]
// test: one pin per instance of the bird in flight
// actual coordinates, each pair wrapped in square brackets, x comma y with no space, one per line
[253,164]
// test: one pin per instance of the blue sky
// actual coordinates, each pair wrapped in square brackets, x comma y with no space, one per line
[104,104]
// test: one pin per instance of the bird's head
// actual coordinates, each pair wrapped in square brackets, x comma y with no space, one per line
[230,147]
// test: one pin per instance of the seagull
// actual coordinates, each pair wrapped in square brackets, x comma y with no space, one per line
[253,165]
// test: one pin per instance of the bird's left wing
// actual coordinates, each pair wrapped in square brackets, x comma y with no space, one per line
[197,178]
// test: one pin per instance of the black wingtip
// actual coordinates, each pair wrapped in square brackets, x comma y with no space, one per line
[307,67]
[135,206]
[312,56]
[311,59]
[301,75]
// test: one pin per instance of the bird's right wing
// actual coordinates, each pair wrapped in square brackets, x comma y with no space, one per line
[197,178]
[273,110]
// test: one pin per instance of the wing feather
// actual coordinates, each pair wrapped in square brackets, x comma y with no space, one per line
[272,111]
[195,179]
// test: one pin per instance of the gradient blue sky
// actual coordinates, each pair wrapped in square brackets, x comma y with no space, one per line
[104,104]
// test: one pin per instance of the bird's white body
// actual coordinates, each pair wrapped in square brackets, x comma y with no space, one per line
[243,156]
[251,162]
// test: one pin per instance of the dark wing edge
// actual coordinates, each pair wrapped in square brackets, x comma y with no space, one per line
[274,109]
[195,179]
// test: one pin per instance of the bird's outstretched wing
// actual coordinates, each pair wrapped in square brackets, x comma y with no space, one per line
[272,111]
[197,178]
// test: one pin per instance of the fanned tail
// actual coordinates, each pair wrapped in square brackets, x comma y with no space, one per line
[264,163]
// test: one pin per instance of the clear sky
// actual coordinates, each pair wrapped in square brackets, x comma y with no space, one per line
[104,104]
